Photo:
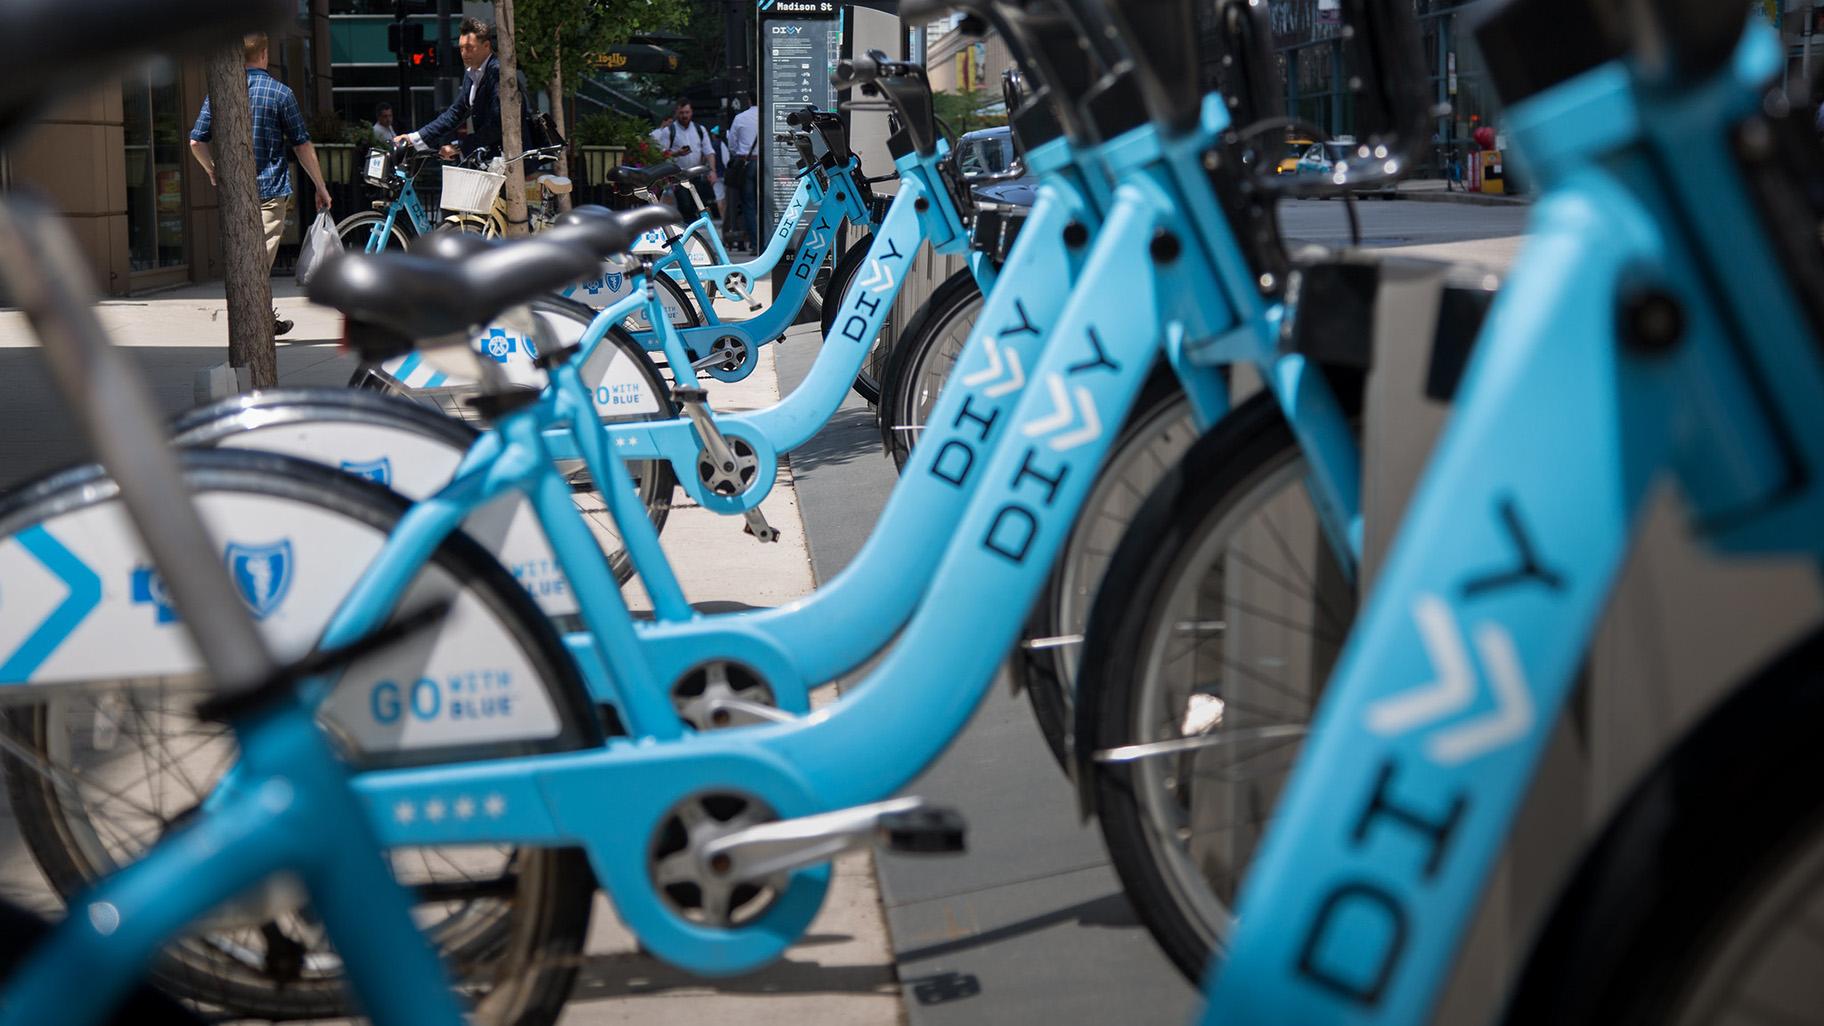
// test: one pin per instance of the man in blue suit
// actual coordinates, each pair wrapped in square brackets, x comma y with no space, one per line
[478,98]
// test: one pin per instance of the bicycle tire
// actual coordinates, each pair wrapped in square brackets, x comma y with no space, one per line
[677,299]
[842,274]
[921,359]
[523,962]
[1713,834]
[1250,454]
[1157,433]
[362,225]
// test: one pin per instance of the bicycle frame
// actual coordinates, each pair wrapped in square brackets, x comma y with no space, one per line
[790,423]
[1428,735]
[809,193]
[881,735]
[407,202]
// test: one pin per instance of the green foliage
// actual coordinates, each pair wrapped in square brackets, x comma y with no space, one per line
[962,111]
[581,29]
[604,128]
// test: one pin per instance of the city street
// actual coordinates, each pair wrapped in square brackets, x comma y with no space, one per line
[1486,236]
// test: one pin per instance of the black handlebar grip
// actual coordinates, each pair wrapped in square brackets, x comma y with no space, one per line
[854,71]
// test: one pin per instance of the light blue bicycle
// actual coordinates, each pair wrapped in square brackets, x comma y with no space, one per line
[781,893]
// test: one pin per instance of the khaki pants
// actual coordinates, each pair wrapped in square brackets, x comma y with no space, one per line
[272,220]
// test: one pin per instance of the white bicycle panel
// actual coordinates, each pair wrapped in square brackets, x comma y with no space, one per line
[417,466]
[619,388]
[83,605]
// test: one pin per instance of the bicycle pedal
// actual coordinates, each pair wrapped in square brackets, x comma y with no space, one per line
[924,831]
[758,527]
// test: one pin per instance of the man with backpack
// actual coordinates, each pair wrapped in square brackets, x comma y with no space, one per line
[687,143]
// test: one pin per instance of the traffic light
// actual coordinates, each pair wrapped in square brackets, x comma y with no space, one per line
[425,56]
[405,39]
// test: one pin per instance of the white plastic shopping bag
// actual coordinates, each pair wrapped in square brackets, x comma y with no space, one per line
[319,242]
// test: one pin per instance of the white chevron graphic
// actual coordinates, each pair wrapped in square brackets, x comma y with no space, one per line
[880,276]
[1016,375]
[1455,688]
[871,277]
[1060,412]
[1089,432]
[1512,716]
[1063,414]
[1450,693]
[821,237]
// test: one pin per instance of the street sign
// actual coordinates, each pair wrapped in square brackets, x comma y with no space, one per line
[798,47]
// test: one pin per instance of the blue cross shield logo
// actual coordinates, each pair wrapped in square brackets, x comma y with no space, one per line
[610,282]
[149,589]
[378,471]
[497,345]
[262,573]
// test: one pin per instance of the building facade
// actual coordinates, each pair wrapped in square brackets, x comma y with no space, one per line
[116,162]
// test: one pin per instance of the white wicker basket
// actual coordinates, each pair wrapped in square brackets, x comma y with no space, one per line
[468,190]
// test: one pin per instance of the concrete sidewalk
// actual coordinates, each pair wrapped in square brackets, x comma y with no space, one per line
[841,972]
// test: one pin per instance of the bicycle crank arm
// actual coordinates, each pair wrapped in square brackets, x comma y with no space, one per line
[904,824]
[758,527]
[721,467]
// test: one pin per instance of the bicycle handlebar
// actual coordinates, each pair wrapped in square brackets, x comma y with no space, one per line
[869,68]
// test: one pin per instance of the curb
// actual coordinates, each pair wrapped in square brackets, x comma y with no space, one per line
[1476,199]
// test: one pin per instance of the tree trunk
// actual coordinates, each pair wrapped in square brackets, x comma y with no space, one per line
[556,91]
[244,270]
[510,140]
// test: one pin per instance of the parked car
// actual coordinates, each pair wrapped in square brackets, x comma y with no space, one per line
[1001,204]
[989,151]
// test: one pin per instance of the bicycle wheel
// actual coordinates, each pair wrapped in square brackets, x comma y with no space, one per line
[679,305]
[920,362]
[867,383]
[1702,900]
[1217,622]
[356,231]
[1044,664]
[96,775]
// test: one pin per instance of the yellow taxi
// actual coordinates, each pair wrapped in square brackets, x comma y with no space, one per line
[1288,161]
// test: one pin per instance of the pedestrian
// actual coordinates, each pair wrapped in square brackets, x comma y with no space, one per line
[687,143]
[743,147]
[383,126]
[477,101]
[277,125]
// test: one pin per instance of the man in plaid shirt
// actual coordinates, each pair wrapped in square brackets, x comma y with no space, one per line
[277,125]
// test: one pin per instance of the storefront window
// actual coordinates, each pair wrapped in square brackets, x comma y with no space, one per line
[157,135]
